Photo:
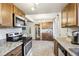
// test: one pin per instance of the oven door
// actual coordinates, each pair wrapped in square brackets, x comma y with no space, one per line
[27,48]
[18,21]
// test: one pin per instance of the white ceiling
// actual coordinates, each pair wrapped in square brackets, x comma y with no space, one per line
[41,17]
[42,12]
[40,8]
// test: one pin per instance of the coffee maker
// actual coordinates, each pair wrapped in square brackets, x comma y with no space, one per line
[75,39]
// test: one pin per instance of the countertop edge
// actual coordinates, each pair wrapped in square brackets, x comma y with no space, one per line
[67,49]
[3,54]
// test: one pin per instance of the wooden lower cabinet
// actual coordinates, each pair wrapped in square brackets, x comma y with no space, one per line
[59,50]
[16,52]
[63,51]
[55,48]
[47,36]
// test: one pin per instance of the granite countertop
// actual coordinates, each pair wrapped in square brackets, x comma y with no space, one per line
[8,46]
[65,42]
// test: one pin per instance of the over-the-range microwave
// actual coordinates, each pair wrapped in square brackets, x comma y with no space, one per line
[18,21]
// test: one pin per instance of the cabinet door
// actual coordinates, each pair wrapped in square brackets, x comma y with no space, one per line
[6,13]
[72,14]
[56,45]
[17,11]
[16,52]
[64,17]
[0,15]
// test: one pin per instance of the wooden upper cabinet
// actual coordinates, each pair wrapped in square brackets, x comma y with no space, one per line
[46,25]
[19,12]
[64,17]
[0,15]
[6,10]
[69,15]
[72,15]
[6,14]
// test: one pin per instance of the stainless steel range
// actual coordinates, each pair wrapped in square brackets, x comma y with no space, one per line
[27,41]
[14,36]
[27,45]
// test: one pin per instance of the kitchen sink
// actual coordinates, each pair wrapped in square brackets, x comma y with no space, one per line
[75,51]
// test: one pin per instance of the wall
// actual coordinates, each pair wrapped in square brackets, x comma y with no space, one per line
[33,31]
[28,28]
[58,31]
[56,26]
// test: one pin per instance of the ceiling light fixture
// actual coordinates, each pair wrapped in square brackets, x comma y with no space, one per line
[33,8]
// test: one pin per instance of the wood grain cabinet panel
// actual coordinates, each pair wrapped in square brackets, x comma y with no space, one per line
[6,10]
[64,17]
[16,52]
[46,25]
[56,45]
[0,15]
[6,14]
[17,11]
[69,15]
[72,14]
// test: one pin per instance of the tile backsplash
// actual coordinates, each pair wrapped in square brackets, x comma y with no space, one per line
[3,31]
[2,42]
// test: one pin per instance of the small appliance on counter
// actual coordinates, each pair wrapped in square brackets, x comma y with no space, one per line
[13,37]
[75,39]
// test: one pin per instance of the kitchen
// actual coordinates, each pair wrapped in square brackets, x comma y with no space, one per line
[46,31]
[13,38]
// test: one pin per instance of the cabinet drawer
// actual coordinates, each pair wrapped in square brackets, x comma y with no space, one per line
[16,52]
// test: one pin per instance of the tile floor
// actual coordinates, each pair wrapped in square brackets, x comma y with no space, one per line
[42,48]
